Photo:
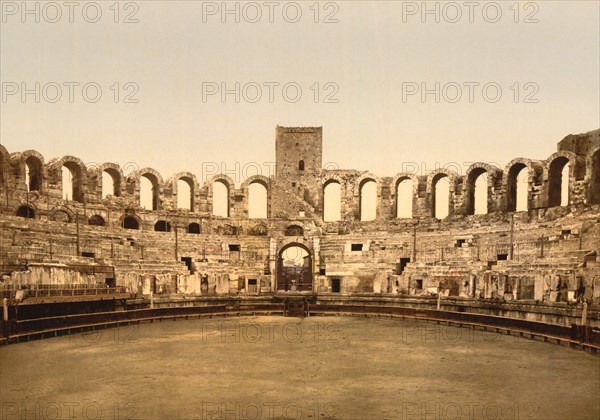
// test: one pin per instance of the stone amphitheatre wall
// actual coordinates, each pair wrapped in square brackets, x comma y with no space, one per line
[547,253]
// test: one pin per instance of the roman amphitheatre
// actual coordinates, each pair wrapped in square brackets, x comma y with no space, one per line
[314,292]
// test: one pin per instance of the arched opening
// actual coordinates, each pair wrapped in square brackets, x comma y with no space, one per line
[97,220]
[185,194]
[301,165]
[162,226]
[481,194]
[220,199]
[476,192]
[61,216]
[595,179]
[194,228]
[441,196]
[26,211]
[517,187]
[368,200]
[332,202]
[294,230]
[67,184]
[72,188]
[149,192]
[33,173]
[404,199]
[130,222]
[558,182]
[257,201]
[294,268]
[111,184]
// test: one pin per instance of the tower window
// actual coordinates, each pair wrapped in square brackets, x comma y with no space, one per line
[301,165]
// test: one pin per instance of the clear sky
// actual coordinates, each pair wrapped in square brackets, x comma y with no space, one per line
[364,63]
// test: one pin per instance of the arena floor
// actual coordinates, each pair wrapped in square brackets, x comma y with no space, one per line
[313,368]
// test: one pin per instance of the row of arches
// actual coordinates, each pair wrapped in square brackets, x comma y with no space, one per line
[483,189]
[72,176]
[128,221]
[476,189]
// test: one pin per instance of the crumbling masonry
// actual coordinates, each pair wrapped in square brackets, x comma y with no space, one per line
[547,253]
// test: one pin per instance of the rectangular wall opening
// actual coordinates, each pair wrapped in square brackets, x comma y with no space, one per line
[252,286]
[335,285]
[356,247]
[403,263]
[188,263]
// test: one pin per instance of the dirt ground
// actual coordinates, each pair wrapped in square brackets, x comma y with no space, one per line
[312,368]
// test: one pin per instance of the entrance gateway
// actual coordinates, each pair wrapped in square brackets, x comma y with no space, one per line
[294,268]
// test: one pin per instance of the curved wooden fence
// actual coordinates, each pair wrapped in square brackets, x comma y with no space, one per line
[22,330]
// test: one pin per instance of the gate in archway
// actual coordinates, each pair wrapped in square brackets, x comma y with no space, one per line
[294,268]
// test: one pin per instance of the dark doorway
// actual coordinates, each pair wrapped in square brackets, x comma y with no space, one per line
[110,282]
[130,222]
[403,262]
[25,211]
[162,226]
[335,285]
[194,228]
[188,263]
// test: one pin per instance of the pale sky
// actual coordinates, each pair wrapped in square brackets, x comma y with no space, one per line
[363,63]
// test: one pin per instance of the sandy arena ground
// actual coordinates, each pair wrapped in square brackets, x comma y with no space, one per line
[312,368]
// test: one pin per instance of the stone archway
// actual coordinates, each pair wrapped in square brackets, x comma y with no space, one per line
[295,268]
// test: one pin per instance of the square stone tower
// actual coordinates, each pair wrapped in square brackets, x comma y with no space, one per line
[298,151]
[295,189]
